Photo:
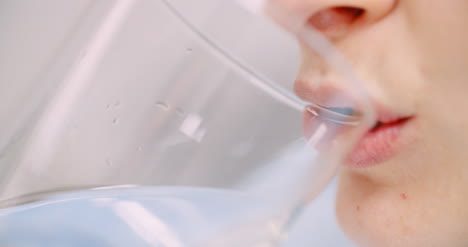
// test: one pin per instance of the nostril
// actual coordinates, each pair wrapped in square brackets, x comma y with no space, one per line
[336,20]
[353,13]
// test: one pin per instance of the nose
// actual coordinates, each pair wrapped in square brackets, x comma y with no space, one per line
[337,19]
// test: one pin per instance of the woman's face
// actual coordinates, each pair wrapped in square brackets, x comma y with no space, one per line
[407,184]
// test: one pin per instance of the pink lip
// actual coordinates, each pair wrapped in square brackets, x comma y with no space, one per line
[378,145]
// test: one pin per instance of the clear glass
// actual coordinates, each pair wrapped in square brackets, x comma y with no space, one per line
[156,126]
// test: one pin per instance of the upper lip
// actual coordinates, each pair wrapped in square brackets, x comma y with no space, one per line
[386,117]
[380,124]
[321,94]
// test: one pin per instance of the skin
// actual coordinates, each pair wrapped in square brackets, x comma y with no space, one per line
[413,57]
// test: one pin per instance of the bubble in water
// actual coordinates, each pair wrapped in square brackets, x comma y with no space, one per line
[180,112]
[109,162]
[83,54]
[115,104]
[162,105]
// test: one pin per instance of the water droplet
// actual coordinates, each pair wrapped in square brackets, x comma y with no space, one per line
[83,54]
[162,105]
[109,162]
[180,112]
[115,121]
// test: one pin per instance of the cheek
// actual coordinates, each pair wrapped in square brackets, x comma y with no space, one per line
[441,39]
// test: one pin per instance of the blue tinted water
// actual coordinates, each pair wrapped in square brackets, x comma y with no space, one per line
[142,216]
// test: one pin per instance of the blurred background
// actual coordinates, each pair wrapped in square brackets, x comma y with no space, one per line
[32,32]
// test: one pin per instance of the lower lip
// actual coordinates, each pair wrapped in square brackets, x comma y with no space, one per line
[378,146]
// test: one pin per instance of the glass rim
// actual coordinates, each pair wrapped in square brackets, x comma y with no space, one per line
[260,81]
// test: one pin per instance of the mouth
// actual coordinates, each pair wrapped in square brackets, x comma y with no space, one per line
[380,143]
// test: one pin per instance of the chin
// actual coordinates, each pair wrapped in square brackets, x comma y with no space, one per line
[373,221]
[373,214]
